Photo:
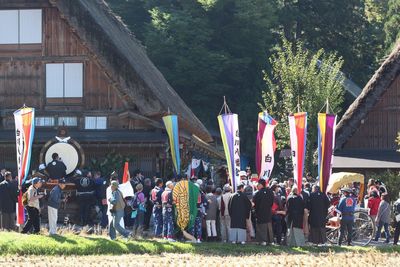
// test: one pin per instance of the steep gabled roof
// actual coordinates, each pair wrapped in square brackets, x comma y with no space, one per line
[371,94]
[124,59]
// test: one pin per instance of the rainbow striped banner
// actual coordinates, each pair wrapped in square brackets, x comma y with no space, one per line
[171,125]
[266,145]
[229,128]
[24,132]
[298,139]
[326,144]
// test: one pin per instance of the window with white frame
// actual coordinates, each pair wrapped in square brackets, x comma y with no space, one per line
[67,121]
[95,123]
[21,26]
[64,80]
[44,121]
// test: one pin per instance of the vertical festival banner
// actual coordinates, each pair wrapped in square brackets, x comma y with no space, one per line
[24,133]
[229,128]
[326,144]
[298,138]
[266,145]
[171,125]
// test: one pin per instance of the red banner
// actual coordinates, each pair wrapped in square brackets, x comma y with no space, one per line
[24,132]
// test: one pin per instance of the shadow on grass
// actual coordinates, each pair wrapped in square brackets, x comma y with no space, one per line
[62,239]
[96,245]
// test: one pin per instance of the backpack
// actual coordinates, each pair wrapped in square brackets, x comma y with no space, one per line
[112,210]
[24,199]
[135,202]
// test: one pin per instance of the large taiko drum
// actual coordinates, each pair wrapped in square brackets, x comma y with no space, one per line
[67,149]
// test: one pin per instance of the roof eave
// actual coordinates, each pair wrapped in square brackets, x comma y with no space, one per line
[368,98]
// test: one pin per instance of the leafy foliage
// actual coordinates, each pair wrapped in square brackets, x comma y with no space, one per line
[302,80]
[111,162]
[210,48]
[392,22]
[340,26]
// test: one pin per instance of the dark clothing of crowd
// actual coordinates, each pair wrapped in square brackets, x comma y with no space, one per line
[8,200]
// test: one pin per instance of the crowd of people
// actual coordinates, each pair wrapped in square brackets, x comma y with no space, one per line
[258,211]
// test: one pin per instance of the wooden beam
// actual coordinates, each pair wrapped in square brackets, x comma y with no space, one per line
[44,59]
[134,115]
[24,4]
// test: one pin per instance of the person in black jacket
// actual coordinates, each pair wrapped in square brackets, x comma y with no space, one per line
[239,210]
[147,187]
[295,210]
[85,188]
[8,200]
[263,200]
[318,205]
[56,168]
[101,199]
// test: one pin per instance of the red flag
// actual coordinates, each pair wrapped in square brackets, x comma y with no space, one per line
[126,175]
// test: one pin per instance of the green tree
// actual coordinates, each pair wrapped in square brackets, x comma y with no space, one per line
[210,49]
[349,28]
[133,13]
[302,78]
[391,25]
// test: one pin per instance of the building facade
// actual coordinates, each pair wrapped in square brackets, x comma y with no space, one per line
[366,135]
[80,67]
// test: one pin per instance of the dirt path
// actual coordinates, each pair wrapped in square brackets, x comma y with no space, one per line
[323,259]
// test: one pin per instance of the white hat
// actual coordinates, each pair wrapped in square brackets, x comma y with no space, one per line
[199,182]
[168,183]
[227,188]
[242,173]
[42,167]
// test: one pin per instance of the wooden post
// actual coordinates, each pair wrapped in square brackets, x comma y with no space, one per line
[225,105]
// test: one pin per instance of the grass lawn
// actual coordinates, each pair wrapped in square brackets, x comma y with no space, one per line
[18,244]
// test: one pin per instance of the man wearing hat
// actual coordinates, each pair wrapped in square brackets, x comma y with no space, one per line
[54,204]
[225,218]
[116,204]
[33,207]
[346,206]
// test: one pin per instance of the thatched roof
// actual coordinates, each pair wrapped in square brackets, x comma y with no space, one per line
[142,86]
[371,94]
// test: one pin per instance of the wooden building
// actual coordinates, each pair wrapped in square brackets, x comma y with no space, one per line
[80,67]
[366,134]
